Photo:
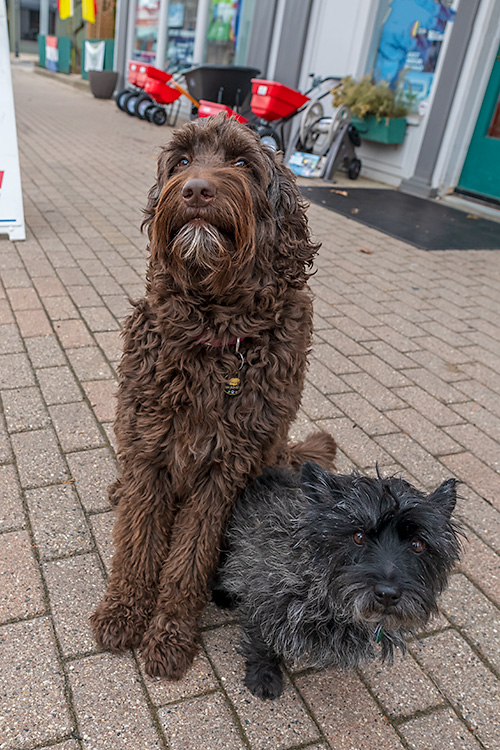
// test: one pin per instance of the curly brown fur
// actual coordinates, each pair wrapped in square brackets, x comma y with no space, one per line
[231,265]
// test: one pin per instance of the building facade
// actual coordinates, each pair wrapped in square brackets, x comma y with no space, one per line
[447,49]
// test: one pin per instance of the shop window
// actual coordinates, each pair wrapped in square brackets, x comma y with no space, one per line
[410,36]
[228,31]
[146,30]
[181,31]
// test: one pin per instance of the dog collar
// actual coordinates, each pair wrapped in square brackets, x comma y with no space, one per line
[215,343]
[377,637]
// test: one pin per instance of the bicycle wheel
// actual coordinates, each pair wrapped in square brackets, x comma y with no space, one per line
[130,101]
[120,98]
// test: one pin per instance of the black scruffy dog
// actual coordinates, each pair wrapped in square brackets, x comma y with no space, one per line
[324,567]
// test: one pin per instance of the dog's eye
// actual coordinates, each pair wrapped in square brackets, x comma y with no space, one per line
[359,538]
[240,163]
[417,545]
[183,162]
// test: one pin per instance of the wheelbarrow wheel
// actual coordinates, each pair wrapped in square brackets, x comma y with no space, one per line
[130,103]
[120,98]
[141,104]
[270,137]
[354,169]
[159,116]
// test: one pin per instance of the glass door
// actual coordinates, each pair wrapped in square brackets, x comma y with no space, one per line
[481,170]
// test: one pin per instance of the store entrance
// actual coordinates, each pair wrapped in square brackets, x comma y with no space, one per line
[481,171]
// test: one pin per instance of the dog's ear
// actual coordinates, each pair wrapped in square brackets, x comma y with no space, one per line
[445,497]
[295,249]
[318,484]
[154,193]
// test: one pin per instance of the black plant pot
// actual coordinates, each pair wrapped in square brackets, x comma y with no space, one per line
[102,83]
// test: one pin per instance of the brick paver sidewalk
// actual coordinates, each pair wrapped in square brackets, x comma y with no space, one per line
[405,373]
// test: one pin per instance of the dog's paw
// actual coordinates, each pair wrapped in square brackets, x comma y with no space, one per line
[265,681]
[118,626]
[168,649]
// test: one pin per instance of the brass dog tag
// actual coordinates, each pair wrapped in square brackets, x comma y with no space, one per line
[232,386]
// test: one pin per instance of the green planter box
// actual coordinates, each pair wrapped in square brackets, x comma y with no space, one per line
[387,130]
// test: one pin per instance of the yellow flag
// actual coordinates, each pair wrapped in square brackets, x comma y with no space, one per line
[65,8]
[88,10]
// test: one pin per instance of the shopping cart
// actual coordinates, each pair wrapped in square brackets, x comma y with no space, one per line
[151,94]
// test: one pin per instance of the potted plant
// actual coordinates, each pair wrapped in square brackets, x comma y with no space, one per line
[378,112]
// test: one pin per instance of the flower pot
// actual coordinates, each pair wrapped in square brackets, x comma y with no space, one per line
[386,130]
[102,83]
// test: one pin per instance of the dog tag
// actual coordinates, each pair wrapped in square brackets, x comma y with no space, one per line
[232,386]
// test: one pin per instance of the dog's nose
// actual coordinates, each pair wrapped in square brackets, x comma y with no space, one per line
[198,192]
[388,596]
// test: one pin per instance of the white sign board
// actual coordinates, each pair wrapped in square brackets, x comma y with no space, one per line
[11,199]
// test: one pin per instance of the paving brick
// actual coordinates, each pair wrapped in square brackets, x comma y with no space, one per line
[10,340]
[75,586]
[24,299]
[379,370]
[39,459]
[93,472]
[11,504]
[356,444]
[111,344]
[435,386]
[333,359]
[268,726]
[316,405]
[89,364]
[435,411]
[85,296]
[57,520]
[480,563]
[199,679]
[102,398]
[462,677]
[60,308]
[49,286]
[45,352]
[15,371]
[476,474]
[402,689]
[34,709]
[477,442]
[389,355]
[412,423]
[73,333]
[324,379]
[345,711]
[99,319]
[201,723]
[363,414]
[373,391]
[482,418]
[110,706]
[102,527]
[33,323]
[58,385]
[439,731]
[24,409]
[76,426]
[480,515]
[415,459]
[21,591]
[478,618]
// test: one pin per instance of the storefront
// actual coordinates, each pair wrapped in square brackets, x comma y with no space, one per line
[446,51]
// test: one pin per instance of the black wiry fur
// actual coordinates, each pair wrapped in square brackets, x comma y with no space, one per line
[308,592]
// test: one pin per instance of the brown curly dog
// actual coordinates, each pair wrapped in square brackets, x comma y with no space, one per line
[210,380]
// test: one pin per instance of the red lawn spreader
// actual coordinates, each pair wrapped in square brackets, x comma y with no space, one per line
[153,94]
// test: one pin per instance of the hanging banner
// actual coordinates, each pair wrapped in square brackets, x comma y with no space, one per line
[51,53]
[11,200]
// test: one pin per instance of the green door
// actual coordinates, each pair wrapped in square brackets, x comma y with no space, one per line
[481,171]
